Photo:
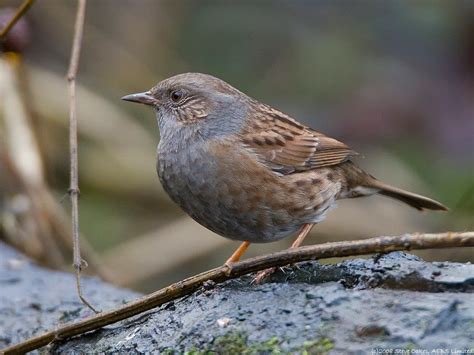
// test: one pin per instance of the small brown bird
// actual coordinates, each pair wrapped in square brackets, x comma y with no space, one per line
[249,172]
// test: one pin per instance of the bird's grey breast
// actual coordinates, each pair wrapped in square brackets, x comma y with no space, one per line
[185,171]
[186,167]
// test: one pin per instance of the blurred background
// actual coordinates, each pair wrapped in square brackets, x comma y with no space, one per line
[394,80]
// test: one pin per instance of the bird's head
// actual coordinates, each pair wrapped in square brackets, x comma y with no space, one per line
[195,99]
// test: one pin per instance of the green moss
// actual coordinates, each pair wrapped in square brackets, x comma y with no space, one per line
[231,343]
[319,346]
[194,351]
[237,343]
[271,346]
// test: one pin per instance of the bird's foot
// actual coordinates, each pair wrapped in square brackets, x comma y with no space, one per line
[228,264]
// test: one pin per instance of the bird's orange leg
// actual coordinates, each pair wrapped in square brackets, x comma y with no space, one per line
[238,253]
[298,241]
[301,235]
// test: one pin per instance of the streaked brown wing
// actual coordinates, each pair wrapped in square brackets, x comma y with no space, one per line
[286,146]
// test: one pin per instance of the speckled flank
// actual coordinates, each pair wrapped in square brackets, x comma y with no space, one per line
[239,200]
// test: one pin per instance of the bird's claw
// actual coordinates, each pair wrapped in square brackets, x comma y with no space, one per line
[263,275]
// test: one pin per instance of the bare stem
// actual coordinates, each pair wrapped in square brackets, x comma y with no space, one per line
[74,183]
[223,273]
[19,13]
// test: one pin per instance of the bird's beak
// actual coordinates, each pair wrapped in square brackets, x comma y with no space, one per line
[141,98]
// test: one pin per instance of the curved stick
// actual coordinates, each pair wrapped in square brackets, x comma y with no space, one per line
[20,12]
[223,273]
[78,262]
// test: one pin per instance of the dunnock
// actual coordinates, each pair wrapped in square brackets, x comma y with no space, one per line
[247,171]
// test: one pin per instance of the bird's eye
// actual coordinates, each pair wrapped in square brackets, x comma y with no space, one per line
[176,95]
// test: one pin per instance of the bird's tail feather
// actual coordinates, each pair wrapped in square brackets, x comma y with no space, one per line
[414,200]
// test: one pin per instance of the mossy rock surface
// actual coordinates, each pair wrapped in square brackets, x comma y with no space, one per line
[394,301]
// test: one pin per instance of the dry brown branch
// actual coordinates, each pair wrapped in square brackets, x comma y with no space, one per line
[223,273]
[42,230]
[20,12]
[78,262]
[23,163]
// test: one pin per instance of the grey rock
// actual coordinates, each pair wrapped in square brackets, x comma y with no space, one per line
[393,301]
[34,299]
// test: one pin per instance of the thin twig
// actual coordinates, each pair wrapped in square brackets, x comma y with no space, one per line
[78,262]
[19,13]
[223,273]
